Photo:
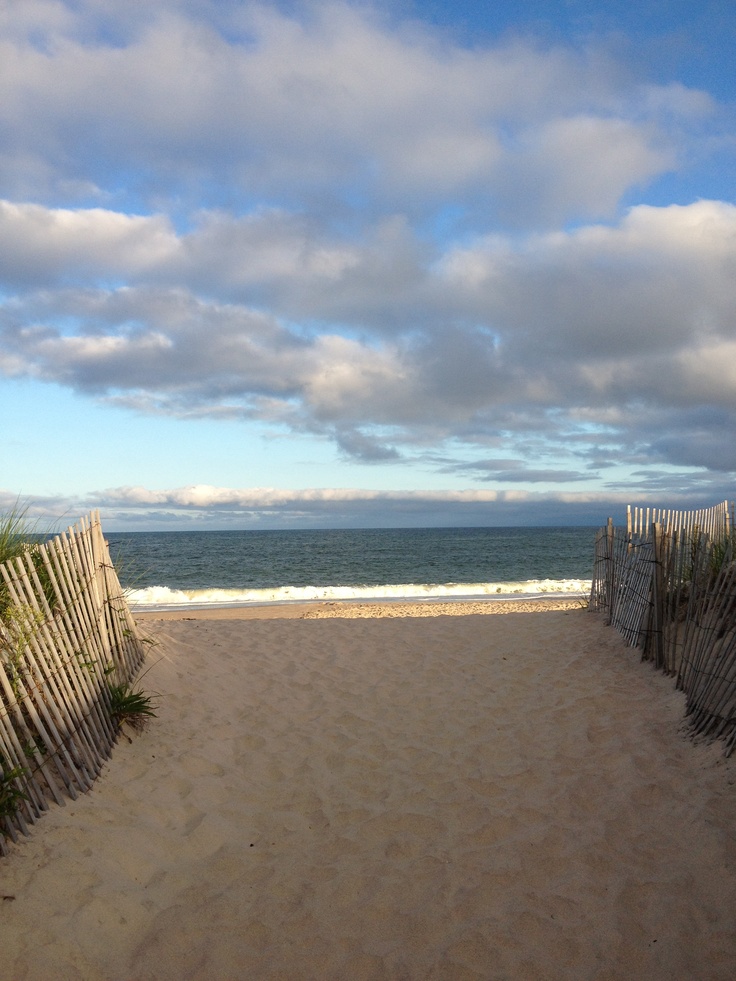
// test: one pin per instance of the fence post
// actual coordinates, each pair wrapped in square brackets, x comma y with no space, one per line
[658,594]
[610,576]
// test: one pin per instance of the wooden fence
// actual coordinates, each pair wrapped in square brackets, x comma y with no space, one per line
[715,522]
[668,584]
[66,637]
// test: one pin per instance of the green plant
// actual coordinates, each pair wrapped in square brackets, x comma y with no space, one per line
[21,624]
[15,538]
[583,600]
[20,536]
[133,707]
[722,551]
[10,794]
[16,533]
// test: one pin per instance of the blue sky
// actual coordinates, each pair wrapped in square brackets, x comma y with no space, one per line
[346,264]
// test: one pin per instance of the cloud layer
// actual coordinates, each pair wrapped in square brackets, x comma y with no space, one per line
[589,336]
[333,103]
[333,223]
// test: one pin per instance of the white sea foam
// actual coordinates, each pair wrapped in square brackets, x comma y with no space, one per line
[162,597]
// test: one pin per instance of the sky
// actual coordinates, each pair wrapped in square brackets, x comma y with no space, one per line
[346,264]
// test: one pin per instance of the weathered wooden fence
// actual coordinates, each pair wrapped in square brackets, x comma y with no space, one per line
[714,522]
[66,636]
[668,584]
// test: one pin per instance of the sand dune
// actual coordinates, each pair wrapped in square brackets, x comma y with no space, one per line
[355,797]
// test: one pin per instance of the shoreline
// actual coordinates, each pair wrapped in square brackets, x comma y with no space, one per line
[352,609]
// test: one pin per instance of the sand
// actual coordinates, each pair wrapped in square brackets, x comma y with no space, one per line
[438,794]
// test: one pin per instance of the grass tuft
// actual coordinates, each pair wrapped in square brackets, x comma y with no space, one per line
[133,707]
[10,795]
[18,536]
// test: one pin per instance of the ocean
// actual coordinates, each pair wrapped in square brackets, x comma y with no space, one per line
[176,570]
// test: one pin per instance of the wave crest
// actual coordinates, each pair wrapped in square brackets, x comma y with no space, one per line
[164,597]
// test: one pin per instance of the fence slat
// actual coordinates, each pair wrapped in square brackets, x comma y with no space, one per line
[64,623]
[668,584]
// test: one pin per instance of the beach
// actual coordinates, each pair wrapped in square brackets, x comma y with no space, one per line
[388,791]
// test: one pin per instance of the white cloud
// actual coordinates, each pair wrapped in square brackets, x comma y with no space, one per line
[205,495]
[642,312]
[608,294]
[22,20]
[208,506]
[328,105]
[580,164]
[41,245]
[707,373]
[351,382]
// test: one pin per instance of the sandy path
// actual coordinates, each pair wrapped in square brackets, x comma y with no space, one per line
[443,797]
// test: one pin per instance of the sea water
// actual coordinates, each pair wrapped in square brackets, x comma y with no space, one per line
[201,568]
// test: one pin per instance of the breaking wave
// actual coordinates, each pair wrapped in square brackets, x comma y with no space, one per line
[163,597]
